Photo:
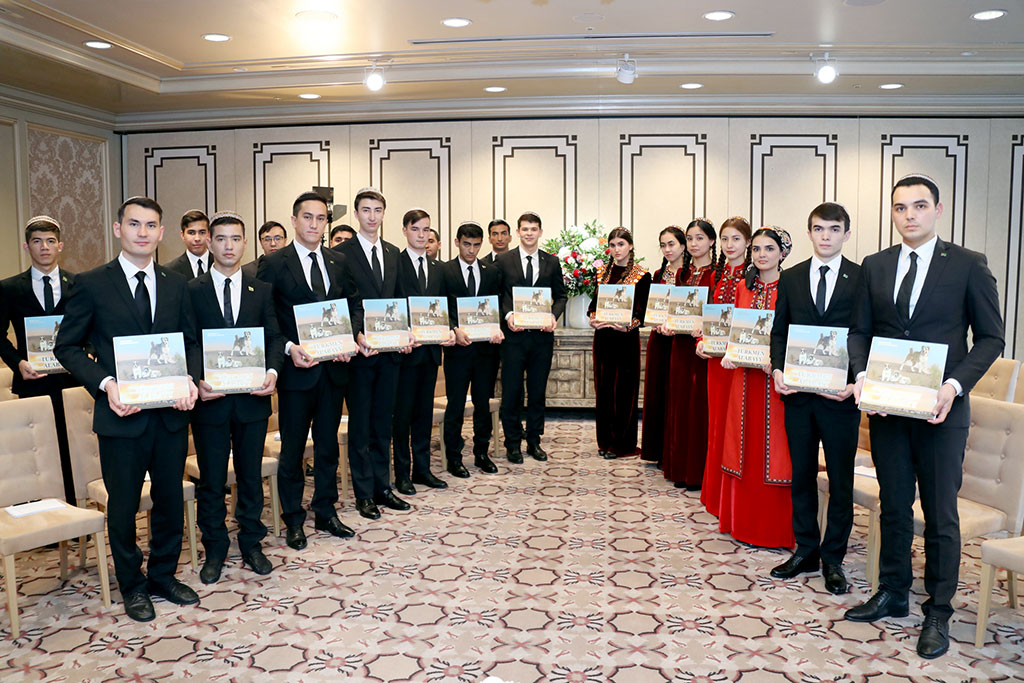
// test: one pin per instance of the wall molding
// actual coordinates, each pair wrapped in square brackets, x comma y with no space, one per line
[504,147]
[632,146]
[205,157]
[263,153]
[763,146]
[439,150]
[1014,248]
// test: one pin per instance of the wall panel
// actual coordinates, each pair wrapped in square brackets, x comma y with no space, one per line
[10,241]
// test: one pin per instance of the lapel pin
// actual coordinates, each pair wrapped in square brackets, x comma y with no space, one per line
[251,289]
[943,254]
[845,276]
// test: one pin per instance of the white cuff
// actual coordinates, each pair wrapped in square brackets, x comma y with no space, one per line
[104,381]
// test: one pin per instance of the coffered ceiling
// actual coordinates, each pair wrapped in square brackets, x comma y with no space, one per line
[553,57]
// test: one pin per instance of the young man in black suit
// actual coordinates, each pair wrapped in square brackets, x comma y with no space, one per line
[310,392]
[195,233]
[418,275]
[925,289]
[132,295]
[499,235]
[371,394]
[527,352]
[234,424]
[272,237]
[41,290]
[469,366]
[819,291]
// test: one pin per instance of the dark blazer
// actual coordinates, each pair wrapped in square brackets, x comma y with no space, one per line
[510,266]
[283,270]
[252,267]
[102,307]
[455,285]
[410,285]
[255,310]
[182,266]
[370,287]
[795,306]
[959,293]
[17,302]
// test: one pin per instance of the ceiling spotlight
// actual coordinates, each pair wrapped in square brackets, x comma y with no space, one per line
[825,69]
[719,15]
[989,14]
[216,37]
[495,88]
[240,69]
[456,22]
[691,86]
[625,70]
[968,53]
[891,86]
[373,78]
[98,44]
[309,96]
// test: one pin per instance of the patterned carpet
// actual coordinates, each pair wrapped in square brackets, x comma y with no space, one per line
[577,570]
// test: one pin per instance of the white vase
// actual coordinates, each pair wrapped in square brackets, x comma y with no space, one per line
[576,312]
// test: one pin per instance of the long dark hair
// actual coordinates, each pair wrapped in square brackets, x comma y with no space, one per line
[680,236]
[752,271]
[708,230]
[741,225]
[615,234]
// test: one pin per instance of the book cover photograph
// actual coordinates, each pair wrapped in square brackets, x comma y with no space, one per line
[903,377]
[151,369]
[386,324]
[325,328]
[40,337]
[532,307]
[429,318]
[234,359]
[478,316]
[717,323]
[816,359]
[750,337]
[686,308]
[615,304]
[657,305]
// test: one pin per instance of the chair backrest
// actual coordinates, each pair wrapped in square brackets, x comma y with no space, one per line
[864,433]
[83,446]
[439,385]
[1018,394]
[29,458]
[6,377]
[999,380]
[994,459]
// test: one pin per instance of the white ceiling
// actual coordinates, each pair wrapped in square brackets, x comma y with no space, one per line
[555,57]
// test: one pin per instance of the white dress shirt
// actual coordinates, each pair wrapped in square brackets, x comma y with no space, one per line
[415,256]
[130,269]
[368,246]
[465,268]
[37,284]
[831,277]
[925,252]
[194,260]
[236,290]
[304,263]
[536,263]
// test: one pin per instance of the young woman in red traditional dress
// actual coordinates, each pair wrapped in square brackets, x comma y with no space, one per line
[673,244]
[617,352]
[756,506]
[734,243]
[686,412]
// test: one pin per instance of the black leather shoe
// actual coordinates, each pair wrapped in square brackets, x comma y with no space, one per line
[430,480]
[405,487]
[174,591]
[333,526]
[457,469]
[138,606]
[257,561]
[391,501]
[486,465]
[796,565]
[295,537]
[835,579]
[536,452]
[607,455]
[367,508]
[514,455]
[882,604]
[210,573]
[934,640]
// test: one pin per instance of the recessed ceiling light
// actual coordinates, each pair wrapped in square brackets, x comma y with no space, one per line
[98,44]
[968,53]
[216,37]
[989,14]
[691,86]
[239,69]
[309,96]
[495,88]
[891,86]
[456,22]
[316,15]
[719,15]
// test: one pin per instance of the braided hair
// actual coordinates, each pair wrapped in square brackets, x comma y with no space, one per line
[617,233]
[741,225]
[680,236]
[709,230]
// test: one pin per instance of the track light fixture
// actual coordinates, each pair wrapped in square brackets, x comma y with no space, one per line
[825,69]
[373,78]
[625,70]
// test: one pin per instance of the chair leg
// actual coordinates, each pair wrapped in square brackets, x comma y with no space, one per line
[988,573]
[822,512]
[495,424]
[873,549]
[63,549]
[82,542]
[12,595]
[1011,588]
[234,499]
[440,440]
[99,538]
[275,505]
[190,522]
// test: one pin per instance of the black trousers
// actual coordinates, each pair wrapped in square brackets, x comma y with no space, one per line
[124,463]
[468,371]
[215,443]
[371,403]
[297,410]
[808,423]
[528,354]
[413,419]
[904,450]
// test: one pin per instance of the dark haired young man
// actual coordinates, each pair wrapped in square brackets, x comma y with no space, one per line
[499,234]
[819,291]
[341,233]
[195,233]
[433,244]
[272,237]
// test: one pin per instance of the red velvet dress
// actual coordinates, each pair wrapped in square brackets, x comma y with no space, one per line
[719,381]
[659,348]
[756,506]
[686,414]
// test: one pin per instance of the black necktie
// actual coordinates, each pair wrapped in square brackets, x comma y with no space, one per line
[422,277]
[47,296]
[375,266]
[471,282]
[142,301]
[199,267]
[819,298]
[906,287]
[316,278]
[529,270]
[229,316]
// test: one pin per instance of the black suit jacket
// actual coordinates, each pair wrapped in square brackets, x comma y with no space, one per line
[795,306]
[182,266]
[17,302]
[252,267]
[510,266]
[288,277]
[370,287]
[410,286]
[255,310]
[102,307]
[455,285]
[959,292]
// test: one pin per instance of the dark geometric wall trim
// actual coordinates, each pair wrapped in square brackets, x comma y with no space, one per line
[564,148]
[1014,247]
[824,146]
[205,157]
[632,146]
[263,153]
[440,151]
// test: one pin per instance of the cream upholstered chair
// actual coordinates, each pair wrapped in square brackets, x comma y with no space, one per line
[31,471]
[6,377]
[999,381]
[1007,553]
[1018,394]
[84,450]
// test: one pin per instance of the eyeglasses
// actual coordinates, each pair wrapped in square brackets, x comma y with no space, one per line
[272,238]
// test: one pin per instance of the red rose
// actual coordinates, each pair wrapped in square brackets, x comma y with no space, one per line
[586,281]
[607,251]
[575,255]
[566,259]
[576,273]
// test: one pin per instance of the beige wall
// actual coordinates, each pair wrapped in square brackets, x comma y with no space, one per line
[642,173]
